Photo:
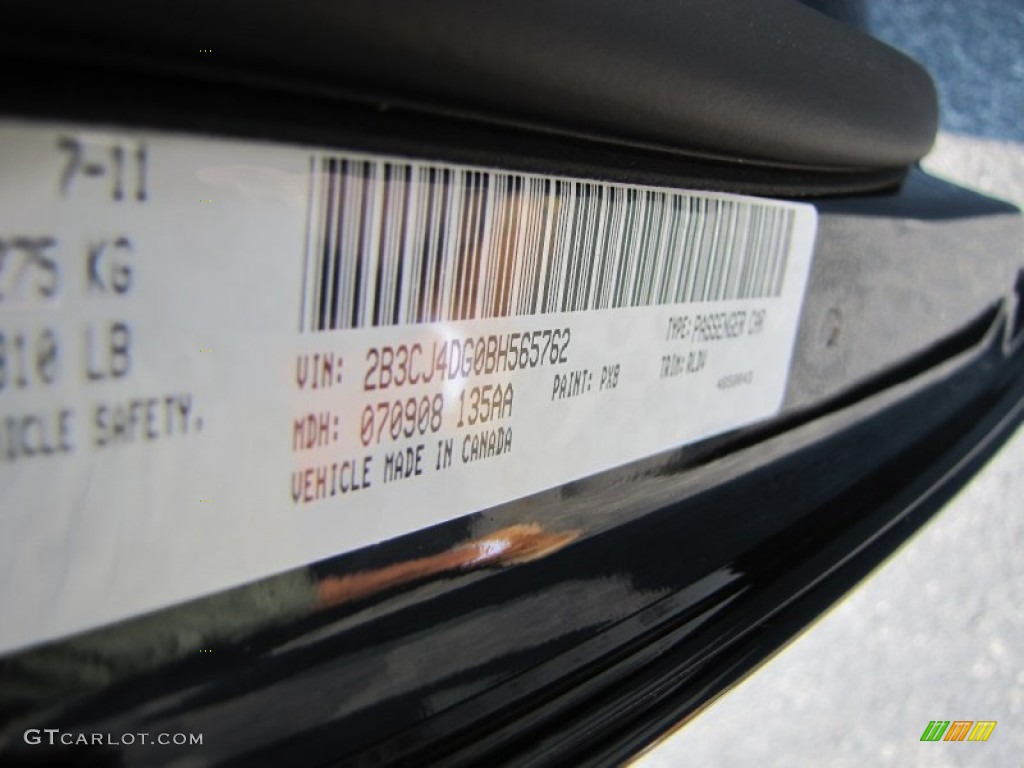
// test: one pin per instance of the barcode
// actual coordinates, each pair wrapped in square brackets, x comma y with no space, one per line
[401,243]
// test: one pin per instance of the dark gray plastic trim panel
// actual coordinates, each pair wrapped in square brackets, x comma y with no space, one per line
[769,82]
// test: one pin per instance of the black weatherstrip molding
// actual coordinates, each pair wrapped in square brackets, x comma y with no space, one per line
[764,83]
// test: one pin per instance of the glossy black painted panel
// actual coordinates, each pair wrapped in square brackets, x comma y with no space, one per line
[634,595]
[631,597]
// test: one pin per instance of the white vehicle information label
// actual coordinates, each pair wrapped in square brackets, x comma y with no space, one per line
[220,360]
